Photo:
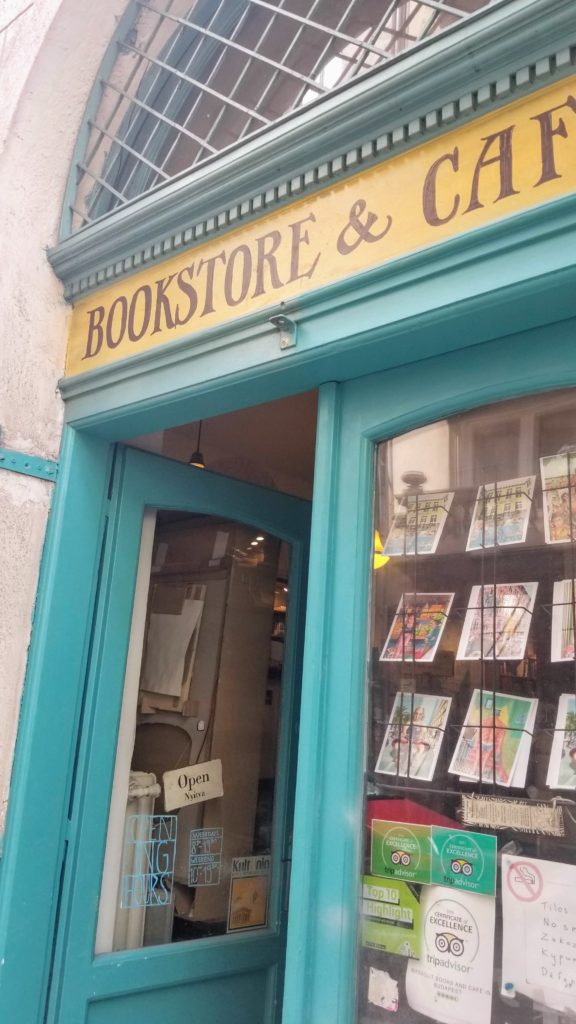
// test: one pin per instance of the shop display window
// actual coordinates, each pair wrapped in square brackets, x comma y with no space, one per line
[467,898]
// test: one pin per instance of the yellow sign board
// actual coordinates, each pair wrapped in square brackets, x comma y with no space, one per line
[510,160]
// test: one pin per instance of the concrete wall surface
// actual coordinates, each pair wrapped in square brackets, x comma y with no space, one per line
[50,51]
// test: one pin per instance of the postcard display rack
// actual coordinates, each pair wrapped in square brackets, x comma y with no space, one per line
[467,899]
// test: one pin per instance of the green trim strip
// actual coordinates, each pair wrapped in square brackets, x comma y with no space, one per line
[29,465]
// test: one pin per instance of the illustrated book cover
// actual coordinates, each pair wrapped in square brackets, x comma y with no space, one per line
[417,627]
[414,736]
[495,739]
[501,511]
[497,622]
[558,474]
[418,527]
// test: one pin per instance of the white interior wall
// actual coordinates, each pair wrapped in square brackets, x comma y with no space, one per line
[50,51]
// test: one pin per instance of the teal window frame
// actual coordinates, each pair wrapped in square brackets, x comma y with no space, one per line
[320,976]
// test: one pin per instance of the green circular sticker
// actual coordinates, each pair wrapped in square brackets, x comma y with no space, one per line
[401,848]
[461,855]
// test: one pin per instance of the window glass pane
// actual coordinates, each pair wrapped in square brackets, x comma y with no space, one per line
[468,895]
[191,830]
[189,80]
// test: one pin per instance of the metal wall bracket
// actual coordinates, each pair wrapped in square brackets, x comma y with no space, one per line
[29,465]
[286,331]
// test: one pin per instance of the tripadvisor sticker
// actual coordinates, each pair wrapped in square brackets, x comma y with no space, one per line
[464,860]
[452,980]
[401,851]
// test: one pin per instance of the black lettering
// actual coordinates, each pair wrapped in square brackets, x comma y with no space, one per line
[300,238]
[266,257]
[240,252]
[146,291]
[429,203]
[192,294]
[162,305]
[211,267]
[121,304]
[547,134]
[96,316]
[503,157]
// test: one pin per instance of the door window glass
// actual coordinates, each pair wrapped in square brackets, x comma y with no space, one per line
[467,908]
[191,827]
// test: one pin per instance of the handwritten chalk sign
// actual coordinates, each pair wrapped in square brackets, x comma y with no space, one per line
[539,940]
[192,785]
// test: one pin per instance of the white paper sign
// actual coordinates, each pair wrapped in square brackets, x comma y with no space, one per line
[382,990]
[452,981]
[539,941]
[192,785]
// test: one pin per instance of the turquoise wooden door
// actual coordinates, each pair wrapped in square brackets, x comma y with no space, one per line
[173,908]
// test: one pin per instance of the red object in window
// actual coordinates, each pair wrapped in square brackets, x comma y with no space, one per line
[407,811]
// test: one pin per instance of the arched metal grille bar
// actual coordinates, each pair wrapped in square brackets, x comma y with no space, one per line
[191,79]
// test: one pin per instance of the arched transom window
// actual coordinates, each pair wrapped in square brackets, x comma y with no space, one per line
[188,80]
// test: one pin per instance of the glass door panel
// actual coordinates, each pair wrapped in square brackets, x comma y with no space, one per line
[190,838]
[468,893]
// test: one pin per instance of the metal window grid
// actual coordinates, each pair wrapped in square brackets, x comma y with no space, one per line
[193,79]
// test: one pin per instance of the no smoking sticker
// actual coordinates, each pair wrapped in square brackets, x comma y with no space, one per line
[524,880]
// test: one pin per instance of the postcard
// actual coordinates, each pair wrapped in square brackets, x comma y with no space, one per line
[562,765]
[417,627]
[495,739]
[501,509]
[558,473]
[503,625]
[414,736]
[563,599]
[418,527]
